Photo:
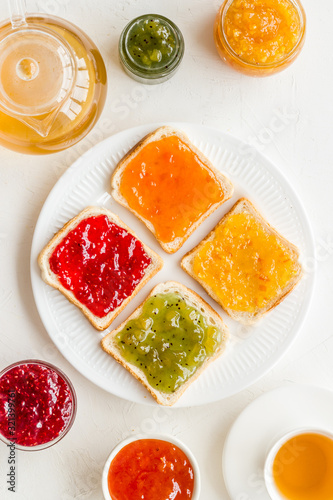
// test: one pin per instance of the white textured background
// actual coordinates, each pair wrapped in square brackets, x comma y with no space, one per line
[203,91]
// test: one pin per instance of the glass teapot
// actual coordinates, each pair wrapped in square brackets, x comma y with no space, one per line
[52,82]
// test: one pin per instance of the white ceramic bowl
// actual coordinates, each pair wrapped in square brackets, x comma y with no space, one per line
[162,437]
[268,469]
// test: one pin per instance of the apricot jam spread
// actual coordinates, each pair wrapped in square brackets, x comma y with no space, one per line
[169,341]
[168,185]
[151,469]
[100,262]
[262,31]
[244,264]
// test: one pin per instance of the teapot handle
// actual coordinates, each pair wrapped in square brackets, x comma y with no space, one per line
[17,12]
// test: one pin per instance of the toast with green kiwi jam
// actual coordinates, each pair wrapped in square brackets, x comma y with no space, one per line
[168,340]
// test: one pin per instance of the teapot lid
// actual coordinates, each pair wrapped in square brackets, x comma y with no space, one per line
[37,70]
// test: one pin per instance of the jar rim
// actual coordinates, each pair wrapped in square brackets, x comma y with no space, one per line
[289,56]
[151,73]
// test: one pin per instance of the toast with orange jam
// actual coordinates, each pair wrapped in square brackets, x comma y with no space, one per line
[170,185]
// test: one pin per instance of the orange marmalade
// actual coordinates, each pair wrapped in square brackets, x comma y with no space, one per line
[260,34]
[169,186]
[244,264]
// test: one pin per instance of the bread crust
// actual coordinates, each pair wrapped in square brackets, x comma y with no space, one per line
[243,205]
[225,183]
[195,300]
[51,279]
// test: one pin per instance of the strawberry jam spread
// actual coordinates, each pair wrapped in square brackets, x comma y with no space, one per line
[101,263]
[151,469]
[36,404]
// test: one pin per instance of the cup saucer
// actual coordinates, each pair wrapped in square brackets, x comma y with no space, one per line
[254,431]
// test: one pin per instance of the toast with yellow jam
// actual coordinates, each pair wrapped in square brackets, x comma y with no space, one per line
[245,264]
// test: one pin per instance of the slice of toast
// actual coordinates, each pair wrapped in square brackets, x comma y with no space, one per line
[98,321]
[174,332]
[244,206]
[193,196]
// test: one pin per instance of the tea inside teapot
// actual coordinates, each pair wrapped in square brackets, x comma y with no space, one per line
[52,84]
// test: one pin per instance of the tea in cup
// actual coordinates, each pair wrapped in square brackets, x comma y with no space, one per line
[299,466]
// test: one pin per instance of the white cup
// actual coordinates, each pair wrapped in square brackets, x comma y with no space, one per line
[274,493]
[169,439]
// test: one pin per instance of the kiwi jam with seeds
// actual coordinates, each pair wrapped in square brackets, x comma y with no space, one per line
[151,48]
[169,341]
[151,43]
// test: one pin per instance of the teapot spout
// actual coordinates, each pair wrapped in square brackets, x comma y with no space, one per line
[40,125]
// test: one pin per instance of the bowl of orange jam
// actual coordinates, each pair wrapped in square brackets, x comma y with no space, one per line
[260,37]
[151,467]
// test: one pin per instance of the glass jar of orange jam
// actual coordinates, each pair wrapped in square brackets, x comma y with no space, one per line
[260,37]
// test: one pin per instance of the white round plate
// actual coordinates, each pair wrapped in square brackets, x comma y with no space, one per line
[252,351]
[260,425]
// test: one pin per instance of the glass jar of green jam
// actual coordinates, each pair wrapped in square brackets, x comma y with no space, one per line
[151,48]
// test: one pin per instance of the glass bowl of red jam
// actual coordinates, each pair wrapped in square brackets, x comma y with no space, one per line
[37,405]
[151,467]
